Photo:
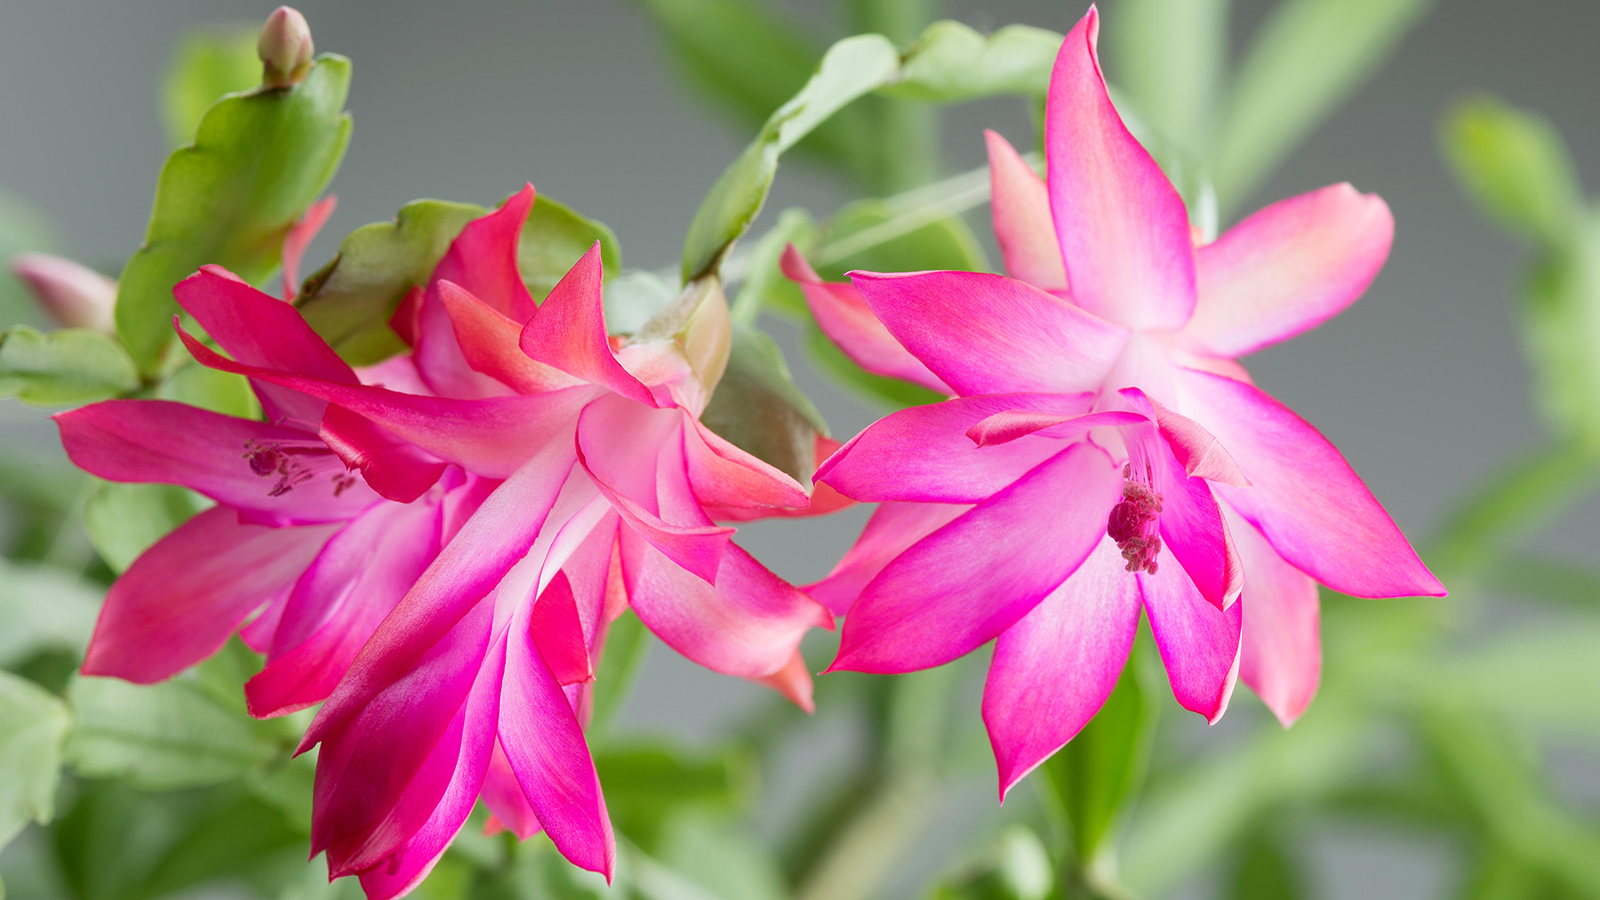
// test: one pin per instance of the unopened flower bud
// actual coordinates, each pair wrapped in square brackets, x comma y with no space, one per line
[285,48]
[73,295]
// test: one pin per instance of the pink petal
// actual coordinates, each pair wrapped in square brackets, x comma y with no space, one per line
[490,343]
[845,318]
[544,744]
[396,468]
[923,453]
[628,449]
[1200,454]
[588,573]
[749,624]
[407,865]
[299,238]
[467,570]
[491,436]
[257,329]
[1054,669]
[382,778]
[502,793]
[569,331]
[558,633]
[1281,658]
[71,294]
[971,579]
[1005,427]
[1199,643]
[726,476]
[1020,206]
[181,599]
[893,528]
[793,681]
[988,334]
[160,441]
[1303,495]
[1123,229]
[1287,269]
[337,604]
[1193,532]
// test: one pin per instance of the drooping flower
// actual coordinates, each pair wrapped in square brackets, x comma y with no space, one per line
[1104,453]
[603,477]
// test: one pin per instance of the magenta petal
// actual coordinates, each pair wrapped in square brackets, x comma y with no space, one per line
[544,744]
[569,331]
[1194,533]
[472,563]
[1020,207]
[1200,454]
[179,601]
[491,437]
[1124,231]
[159,441]
[725,476]
[382,777]
[849,322]
[1199,643]
[988,334]
[1005,427]
[299,238]
[557,631]
[340,600]
[1287,269]
[1054,669]
[490,343]
[396,468]
[893,528]
[971,579]
[1281,659]
[748,624]
[483,258]
[1303,495]
[409,863]
[923,453]
[502,793]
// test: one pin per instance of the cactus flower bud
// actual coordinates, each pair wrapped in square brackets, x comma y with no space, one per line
[285,48]
[73,295]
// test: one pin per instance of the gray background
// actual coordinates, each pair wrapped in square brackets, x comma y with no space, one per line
[1420,384]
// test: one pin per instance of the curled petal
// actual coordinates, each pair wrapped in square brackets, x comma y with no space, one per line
[1123,229]
[569,332]
[725,476]
[1199,643]
[557,632]
[1287,269]
[793,681]
[490,344]
[396,468]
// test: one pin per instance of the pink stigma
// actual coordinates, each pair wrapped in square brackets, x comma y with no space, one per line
[1133,524]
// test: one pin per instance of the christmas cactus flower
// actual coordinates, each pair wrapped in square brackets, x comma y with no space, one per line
[1104,454]
[602,477]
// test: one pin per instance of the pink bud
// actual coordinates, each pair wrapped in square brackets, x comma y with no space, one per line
[285,48]
[73,295]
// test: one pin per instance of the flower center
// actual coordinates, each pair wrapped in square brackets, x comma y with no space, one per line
[1133,523]
[273,460]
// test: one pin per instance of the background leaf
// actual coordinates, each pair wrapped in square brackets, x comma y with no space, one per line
[206,65]
[951,63]
[123,520]
[1515,167]
[1170,57]
[44,608]
[258,160]
[66,366]
[30,753]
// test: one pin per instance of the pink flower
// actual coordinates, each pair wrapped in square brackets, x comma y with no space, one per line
[602,477]
[71,294]
[1104,453]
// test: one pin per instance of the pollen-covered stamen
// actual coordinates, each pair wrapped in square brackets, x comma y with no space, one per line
[1134,522]
[269,459]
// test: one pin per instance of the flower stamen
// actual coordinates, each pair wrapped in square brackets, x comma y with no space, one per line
[1133,522]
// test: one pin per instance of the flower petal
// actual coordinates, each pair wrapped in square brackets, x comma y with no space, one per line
[160,441]
[502,793]
[1303,495]
[1199,643]
[1020,207]
[971,579]
[394,467]
[544,744]
[893,528]
[181,599]
[1194,533]
[1200,454]
[748,624]
[557,632]
[923,453]
[1287,269]
[1054,669]
[1123,229]
[1005,427]
[356,580]
[299,238]
[793,681]
[849,322]
[1281,659]
[988,334]
[724,475]
[569,332]
[490,343]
